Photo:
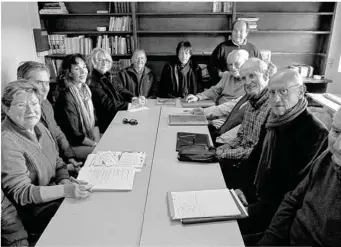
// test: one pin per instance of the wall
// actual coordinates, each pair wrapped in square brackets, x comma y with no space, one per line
[334,55]
[17,42]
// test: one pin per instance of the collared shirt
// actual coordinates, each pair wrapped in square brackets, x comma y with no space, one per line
[243,43]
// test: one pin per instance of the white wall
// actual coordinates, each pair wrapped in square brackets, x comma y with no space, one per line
[17,42]
[332,70]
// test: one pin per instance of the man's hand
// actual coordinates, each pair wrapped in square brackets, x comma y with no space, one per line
[143,100]
[241,197]
[219,152]
[217,123]
[74,165]
[191,98]
[198,111]
[136,102]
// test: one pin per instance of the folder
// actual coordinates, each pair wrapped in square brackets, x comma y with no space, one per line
[201,103]
[186,138]
[186,120]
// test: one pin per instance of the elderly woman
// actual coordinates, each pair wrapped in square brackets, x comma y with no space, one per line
[34,177]
[138,78]
[74,110]
[108,98]
[183,76]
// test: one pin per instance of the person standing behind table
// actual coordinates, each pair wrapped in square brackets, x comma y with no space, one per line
[108,97]
[181,77]
[34,178]
[230,86]
[74,109]
[138,78]
[217,64]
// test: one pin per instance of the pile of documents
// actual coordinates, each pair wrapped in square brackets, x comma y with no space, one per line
[111,171]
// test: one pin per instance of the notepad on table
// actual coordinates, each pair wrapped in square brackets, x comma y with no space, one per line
[140,108]
[333,98]
[187,119]
[166,101]
[205,206]
[200,103]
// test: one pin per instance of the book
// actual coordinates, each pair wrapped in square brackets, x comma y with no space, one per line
[205,206]
[187,119]
[186,138]
[165,101]
[41,41]
[199,103]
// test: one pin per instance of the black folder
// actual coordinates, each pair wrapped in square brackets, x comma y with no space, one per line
[186,138]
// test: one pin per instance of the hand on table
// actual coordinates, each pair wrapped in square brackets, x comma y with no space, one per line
[74,165]
[217,123]
[77,189]
[198,111]
[191,98]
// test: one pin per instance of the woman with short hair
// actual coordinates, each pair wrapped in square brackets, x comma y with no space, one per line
[74,110]
[34,177]
[182,76]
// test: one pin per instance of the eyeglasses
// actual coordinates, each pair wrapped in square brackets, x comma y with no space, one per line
[236,65]
[23,106]
[131,121]
[282,91]
[100,60]
[45,83]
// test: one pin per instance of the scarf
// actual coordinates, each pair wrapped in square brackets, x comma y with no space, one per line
[181,80]
[258,101]
[85,107]
[273,122]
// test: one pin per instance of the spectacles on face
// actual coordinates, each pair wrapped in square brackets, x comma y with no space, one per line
[23,106]
[41,83]
[131,121]
[283,92]
[236,65]
[107,61]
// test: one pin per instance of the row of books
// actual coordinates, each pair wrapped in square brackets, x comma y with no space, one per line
[119,65]
[116,44]
[120,23]
[119,7]
[53,8]
[225,7]
[252,21]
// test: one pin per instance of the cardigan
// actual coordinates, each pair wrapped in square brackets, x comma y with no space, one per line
[27,163]
[146,86]
[310,215]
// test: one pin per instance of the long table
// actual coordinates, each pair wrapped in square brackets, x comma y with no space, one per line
[140,217]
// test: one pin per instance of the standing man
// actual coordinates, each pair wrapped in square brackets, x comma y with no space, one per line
[218,60]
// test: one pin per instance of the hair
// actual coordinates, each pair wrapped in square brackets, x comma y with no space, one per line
[14,87]
[246,24]
[93,58]
[139,50]
[25,68]
[261,66]
[67,63]
[291,75]
[240,52]
[186,45]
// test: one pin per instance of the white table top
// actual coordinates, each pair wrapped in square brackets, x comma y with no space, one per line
[329,104]
[169,174]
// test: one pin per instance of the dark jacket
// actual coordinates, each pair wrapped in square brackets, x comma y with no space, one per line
[193,80]
[310,215]
[147,87]
[297,144]
[220,53]
[108,98]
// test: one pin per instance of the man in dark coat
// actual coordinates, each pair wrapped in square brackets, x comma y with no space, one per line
[293,139]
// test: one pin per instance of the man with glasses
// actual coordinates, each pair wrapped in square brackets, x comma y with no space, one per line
[218,64]
[293,139]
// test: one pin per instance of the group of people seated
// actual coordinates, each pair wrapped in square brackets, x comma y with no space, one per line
[281,161]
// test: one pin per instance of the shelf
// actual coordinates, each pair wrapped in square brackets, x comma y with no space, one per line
[285,13]
[185,31]
[85,14]
[180,14]
[298,53]
[91,32]
[61,56]
[290,31]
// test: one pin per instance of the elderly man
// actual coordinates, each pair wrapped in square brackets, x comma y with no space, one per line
[217,64]
[138,78]
[230,86]
[293,139]
[310,215]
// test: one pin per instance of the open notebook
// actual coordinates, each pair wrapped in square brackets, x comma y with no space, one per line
[205,206]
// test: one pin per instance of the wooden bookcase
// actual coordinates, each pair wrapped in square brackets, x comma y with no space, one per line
[295,32]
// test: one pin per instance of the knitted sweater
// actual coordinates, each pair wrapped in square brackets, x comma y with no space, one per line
[227,89]
[28,164]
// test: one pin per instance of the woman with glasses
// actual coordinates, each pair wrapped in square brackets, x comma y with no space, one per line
[74,110]
[182,76]
[108,97]
[34,178]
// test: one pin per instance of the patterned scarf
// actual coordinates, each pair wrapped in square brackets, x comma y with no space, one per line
[270,139]
[85,107]
[180,75]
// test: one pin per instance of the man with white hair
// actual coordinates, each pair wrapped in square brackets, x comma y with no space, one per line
[138,78]
[293,139]
[310,215]
[230,86]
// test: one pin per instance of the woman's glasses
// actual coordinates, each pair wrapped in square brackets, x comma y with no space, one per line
[131,121]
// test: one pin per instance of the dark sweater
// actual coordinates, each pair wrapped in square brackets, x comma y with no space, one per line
[147,86]
[297,144]
[310,215]
[220,53]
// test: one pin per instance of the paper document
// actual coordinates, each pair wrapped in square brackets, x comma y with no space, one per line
[141,108]
[333,97]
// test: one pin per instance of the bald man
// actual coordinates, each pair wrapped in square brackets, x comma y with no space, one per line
[230,86]
[310,215]
[293,139]
[217,64]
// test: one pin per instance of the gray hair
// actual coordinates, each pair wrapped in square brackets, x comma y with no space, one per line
[240,53]
[290,75]
[25,68]
[93,57]
[15,87]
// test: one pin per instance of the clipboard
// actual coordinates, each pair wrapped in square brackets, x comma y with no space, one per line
[201,103]
[187,120]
